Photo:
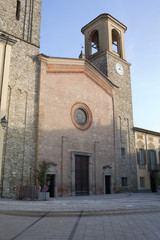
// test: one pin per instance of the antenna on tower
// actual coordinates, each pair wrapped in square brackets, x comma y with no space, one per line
[82,56]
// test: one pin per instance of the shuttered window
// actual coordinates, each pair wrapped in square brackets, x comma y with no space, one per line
[141,156]
[152,159]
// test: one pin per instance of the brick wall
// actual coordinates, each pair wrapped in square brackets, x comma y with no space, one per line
[58,137]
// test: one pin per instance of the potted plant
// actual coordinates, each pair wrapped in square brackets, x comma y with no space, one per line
[41,177]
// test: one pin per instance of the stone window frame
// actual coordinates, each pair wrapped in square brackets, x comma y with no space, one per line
[124,181]
[123,152]
[88,112]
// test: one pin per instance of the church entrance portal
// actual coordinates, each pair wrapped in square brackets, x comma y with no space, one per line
[81,175]
[51,184]
[107,184]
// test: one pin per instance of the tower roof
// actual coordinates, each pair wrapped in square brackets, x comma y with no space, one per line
[103,16]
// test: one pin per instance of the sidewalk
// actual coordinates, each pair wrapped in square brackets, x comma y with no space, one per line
[104,217]
[125,201]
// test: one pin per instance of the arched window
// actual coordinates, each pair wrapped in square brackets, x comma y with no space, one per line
[115,42]
[94,42]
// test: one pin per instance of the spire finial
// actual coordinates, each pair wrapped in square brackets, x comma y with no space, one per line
[82,56]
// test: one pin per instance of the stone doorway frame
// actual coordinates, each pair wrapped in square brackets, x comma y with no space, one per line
[53,171]
[73,156]
[107,172]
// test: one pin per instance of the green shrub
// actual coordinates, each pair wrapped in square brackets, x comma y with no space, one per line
[41,173]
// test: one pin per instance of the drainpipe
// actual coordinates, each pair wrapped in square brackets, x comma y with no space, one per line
[147,159]
[62,149]
[146,149]
[114,144]
[95,160]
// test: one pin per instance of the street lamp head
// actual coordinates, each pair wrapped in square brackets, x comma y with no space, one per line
[4,122]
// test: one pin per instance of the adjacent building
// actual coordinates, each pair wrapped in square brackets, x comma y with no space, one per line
[19,79]
[148,159]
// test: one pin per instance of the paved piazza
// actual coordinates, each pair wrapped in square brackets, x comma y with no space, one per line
[105,217]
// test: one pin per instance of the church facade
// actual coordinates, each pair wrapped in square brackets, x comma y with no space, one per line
[85,123]
[74,113]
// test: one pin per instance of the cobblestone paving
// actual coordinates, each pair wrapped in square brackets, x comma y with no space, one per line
[135,217]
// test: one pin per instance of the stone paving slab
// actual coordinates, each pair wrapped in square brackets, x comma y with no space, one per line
[117,217]
[120,227]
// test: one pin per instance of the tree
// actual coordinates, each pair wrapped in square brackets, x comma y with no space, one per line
[41,173]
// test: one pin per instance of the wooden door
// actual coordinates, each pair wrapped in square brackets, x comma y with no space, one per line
[107,184]
[50,183]
[81,175]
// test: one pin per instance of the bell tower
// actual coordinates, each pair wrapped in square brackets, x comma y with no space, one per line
[104,34]
[105,48]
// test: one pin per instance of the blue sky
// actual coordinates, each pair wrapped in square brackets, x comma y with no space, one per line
[61,36]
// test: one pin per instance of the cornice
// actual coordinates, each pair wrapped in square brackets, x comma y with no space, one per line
[98,54]
[7,40]
[103,16]
[136,129]
[74,62]
[70,65]
[18,38]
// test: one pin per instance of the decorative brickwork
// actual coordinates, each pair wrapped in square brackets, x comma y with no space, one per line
[82,123]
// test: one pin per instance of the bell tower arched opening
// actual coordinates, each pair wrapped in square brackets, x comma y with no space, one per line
[94,37]
[115,42]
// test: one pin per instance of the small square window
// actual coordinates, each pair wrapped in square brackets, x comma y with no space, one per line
[142,182]
[122,152]
[124,181]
